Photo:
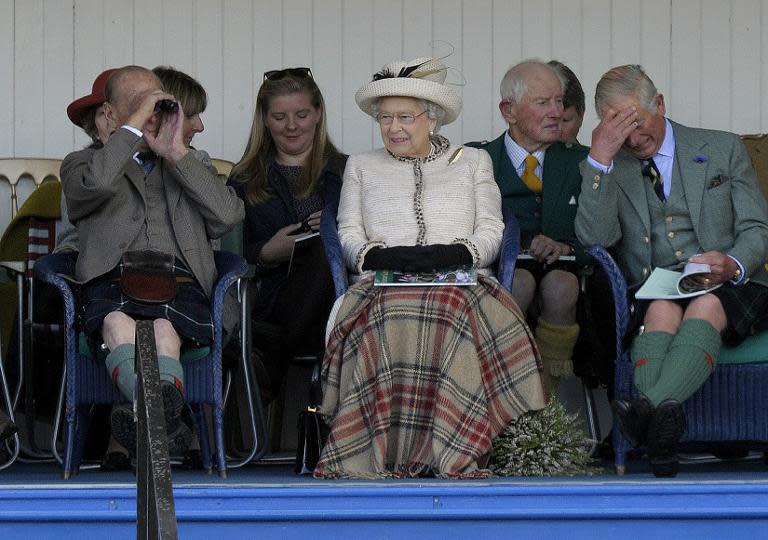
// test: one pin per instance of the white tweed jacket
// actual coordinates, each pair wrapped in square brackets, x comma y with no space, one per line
[382,204]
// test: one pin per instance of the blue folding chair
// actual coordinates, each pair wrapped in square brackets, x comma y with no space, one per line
[86,381]
[731,407]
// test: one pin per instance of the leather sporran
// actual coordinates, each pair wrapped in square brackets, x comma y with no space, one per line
[312,429]
[147,276]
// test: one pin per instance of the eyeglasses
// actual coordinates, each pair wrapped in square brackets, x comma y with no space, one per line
[386,119]
[298,72]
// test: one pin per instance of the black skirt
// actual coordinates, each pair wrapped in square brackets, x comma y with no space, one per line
[189,312]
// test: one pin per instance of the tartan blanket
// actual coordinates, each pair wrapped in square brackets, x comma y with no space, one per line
[419,380]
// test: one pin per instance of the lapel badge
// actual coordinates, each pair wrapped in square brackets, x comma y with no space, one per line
[456,155]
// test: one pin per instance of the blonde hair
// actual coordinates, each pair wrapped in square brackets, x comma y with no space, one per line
[253,167]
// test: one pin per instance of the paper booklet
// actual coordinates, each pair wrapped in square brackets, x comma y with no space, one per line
[670,285]
[461,275]
[298,245]
[524,255]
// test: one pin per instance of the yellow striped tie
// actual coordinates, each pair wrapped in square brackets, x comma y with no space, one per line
[529,177]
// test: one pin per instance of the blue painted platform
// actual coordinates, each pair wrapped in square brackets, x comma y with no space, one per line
[713,501]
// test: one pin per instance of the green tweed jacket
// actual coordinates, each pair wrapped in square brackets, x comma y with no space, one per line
[553,212]
[727,209]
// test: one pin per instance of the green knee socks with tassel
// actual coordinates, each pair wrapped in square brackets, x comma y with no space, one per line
[692,355]
[120,364]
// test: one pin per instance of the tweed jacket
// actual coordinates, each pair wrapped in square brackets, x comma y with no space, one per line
[383,204]
[105,202]
[558,202]
[727,209]
[66,236]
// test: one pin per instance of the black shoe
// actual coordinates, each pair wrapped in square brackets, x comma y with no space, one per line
[7,428]
[116,461]
[124,427]
[633,418]
[180,438]
[173,404]
[177,427]
[666,428]
[193,460]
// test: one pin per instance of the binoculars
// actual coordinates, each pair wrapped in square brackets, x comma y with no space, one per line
[166,106]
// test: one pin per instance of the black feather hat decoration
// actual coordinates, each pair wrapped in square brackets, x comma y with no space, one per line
[405,71]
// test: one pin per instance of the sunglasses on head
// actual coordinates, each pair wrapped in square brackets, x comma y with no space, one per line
[298,72]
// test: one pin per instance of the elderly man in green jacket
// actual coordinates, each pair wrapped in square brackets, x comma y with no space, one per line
[539,180]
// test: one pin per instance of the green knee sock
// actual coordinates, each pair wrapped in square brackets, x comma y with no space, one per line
[690,360]
[120,367]
[647,354]
[170,370]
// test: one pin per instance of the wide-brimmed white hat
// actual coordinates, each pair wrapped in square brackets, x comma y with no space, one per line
[421,78]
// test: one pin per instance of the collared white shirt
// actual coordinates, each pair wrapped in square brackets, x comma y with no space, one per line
[517,155]
[138,133]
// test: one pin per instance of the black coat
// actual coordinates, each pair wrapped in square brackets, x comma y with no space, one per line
[264,219]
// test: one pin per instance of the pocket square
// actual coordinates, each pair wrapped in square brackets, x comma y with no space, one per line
[718,180]
[572,202]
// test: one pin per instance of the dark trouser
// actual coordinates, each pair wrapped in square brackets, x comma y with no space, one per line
[296,324]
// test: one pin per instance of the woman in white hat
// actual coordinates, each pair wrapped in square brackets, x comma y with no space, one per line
[419,380]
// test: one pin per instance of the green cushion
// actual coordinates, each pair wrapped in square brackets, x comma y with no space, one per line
[753,350]
[188,356]
[233,240]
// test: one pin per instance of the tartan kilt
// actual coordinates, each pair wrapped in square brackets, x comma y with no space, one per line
[189,312]
[419,380]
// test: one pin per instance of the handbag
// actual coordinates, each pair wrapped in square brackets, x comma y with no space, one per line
[312,429]
[147,276]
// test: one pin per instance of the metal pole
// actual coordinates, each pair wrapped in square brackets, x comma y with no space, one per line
[155,508]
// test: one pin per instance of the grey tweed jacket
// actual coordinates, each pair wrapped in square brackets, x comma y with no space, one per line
[107,206]
[727,209]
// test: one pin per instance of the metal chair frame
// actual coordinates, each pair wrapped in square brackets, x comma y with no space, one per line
[13,444]
[13,170]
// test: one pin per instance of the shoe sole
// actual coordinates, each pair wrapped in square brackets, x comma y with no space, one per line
[173,404]
[124,428]
[666,429]
[179,440]
[179,434]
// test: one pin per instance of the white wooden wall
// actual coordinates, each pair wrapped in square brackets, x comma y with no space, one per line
[704,55]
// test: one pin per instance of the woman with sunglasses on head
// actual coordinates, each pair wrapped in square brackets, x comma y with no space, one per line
[418,380]
[289,172]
